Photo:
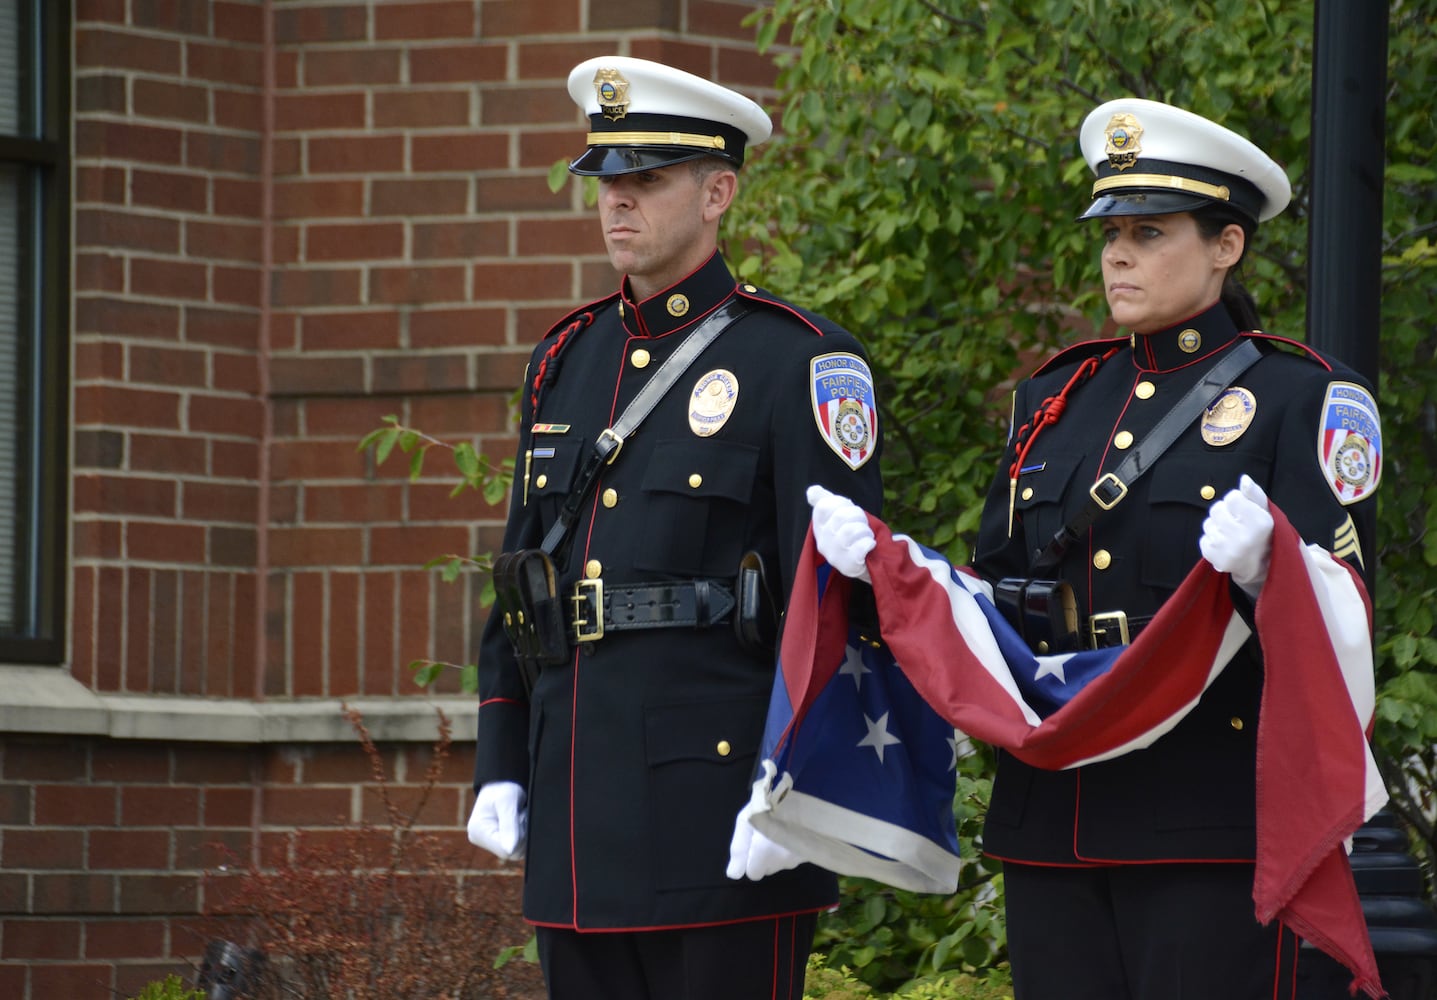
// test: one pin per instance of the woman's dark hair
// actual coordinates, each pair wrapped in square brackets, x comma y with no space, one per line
[1211,220]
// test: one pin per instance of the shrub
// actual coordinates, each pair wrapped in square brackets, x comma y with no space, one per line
[169,988]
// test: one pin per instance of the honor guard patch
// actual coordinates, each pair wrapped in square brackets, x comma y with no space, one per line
[713,398]
[845,406]
[1349,442]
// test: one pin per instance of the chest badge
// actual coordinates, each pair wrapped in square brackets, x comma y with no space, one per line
[845,406]
[1229,417]
[1349,443]
[712,401]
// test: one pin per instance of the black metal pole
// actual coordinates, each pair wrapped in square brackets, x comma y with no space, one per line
[1349,127]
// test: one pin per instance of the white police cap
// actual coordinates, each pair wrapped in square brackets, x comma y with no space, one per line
[644,115]
[1152,158]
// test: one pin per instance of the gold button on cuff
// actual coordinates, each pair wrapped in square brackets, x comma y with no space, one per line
[1207,492]
[724,748]
[1028,493]
[1102,559]
[593,569]
[696,480]
[1123,441]
[541,481]
[1145,390]
[611,498]
[1236,723]
[640,358]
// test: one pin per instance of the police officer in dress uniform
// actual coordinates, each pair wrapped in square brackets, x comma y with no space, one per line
[1133,878]
[620,767]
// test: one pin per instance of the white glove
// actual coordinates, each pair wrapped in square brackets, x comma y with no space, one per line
[1237,536]
[750,853]
[499,822]
[841,532]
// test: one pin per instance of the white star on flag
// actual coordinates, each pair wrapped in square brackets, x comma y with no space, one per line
[1051,666]
[878,735]
[853,666]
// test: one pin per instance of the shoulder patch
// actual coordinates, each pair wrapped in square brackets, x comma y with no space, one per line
[1349,442]
[845,406]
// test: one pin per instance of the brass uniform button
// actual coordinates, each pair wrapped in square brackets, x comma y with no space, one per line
[541,481]
[1236,723]
[724,748]
[1145,390]
[611,498]
[1123,441]
[1028,493]
[1042,645]
[640,358]
[593,569]
[696,480]
[1207,492]
[750,288]
[1102,559]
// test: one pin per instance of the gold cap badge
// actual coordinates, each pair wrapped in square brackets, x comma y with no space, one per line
[613,91]
[1124,135]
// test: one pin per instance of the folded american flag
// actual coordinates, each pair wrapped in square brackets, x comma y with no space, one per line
[859,750]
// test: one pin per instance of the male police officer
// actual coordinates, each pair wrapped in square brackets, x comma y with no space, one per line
[619,753]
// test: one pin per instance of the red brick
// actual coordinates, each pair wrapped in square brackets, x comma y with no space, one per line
[527,105]
[127,761]
[124,318]
[236,547]
[235,372]
[416,109]
[305,806]
[552,61]
[170,15]
[559,238]
[238,416]
[167,453]
[103,47]
[238,109]
[436,502]
[722,19]
[125,939]
[208,501]
[98,361]
[101,92]
[169,279]
[160,542]
[238,459]
[498,281]
[351,330]
[237,286]
[238,22]
[230,240]
[364,241]
[112,849]
[459,63]
[70,980]
[109,625]
[351,504]
[99,272]
[174,101]
[126,407]
[501,370]
[316,287]
[101,184]
[416,285]
[421,373]
[347,67]
[214,764]
[71,805]
[131,230]
[321,24]
[345,418]
[45,760]
[158,894]
[228,64]
[43,940]
[315,547]
[359,154]
[226,807]
[222,327]
[344,630]
[456,327]
[126,495]
[164,632]
[331,110]
[540,150]
[167,366]
[97,540]
[517,194]
[503,18]
[124,142]
[309,199]
[111,11]
[461,417]
[420,198]
[451,19]
[636,14]
[222,152]
[48,848]
[413,545]
[85,635]
[180,192]
[465,151]
[219,635]
[237,197]
[193,589]
[137,635]
[464,240]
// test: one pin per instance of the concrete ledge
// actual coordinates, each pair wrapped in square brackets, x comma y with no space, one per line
[48,700]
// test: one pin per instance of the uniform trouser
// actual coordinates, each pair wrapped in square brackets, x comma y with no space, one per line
[1143,932]
[754,960]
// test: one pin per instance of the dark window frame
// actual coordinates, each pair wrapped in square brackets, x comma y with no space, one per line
[43,159]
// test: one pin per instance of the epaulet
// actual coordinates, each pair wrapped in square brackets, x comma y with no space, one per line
[820,325]
[1295,347]
[1080,352]
[568,320]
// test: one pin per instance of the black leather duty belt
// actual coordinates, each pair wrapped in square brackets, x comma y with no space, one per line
[1113,628]
[596,608]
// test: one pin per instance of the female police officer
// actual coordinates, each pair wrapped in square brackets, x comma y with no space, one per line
[1133,878]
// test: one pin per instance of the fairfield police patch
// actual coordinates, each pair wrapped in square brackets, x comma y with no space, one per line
[845,406]
[1349,442]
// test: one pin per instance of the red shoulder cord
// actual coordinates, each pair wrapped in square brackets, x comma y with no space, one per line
[583,320]
[1049,412]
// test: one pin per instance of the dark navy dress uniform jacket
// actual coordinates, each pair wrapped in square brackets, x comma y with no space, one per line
[1190,796]
[638,753]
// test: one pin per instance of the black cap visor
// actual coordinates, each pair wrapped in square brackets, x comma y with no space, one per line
[608,161]
[1136,202]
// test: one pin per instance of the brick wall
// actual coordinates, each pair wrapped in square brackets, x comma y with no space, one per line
[291,218]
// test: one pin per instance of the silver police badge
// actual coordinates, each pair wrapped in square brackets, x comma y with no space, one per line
[1226,419]
[712,401]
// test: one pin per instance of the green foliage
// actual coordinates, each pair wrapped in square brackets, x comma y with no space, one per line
[169,988]
[921,192]
[826,983]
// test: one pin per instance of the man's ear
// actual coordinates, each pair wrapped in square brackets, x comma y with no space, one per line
[719,189]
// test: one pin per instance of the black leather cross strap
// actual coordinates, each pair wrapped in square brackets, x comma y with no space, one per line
[627,606]
[611,440]
[1111,487]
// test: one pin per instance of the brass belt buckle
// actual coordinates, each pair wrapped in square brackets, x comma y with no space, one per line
[1099,624]
[1108,490]
[587,594]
